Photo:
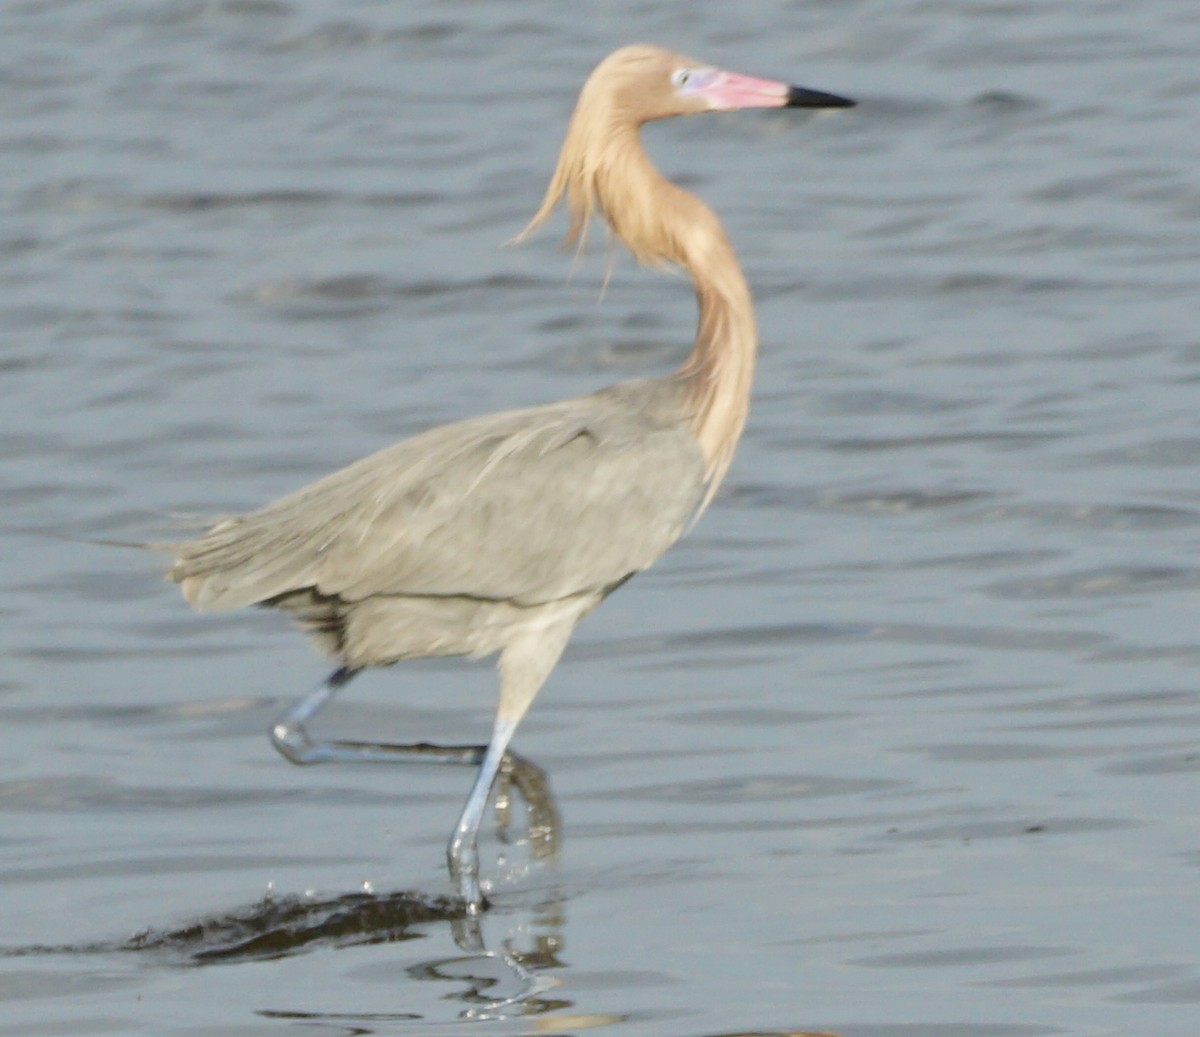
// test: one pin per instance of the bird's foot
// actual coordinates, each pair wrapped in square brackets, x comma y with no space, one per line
[462,859]
[291,741]
[471,892]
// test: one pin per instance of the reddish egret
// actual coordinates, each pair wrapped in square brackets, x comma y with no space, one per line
[498,533]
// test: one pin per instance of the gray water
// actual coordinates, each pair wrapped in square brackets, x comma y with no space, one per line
[903,741]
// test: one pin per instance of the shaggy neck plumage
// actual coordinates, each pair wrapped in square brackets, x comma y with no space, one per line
[603,168]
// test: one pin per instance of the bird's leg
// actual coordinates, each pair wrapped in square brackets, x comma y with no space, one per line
[525,663]
[290,736]
[462,855]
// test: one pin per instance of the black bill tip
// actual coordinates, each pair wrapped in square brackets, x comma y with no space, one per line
[801,97]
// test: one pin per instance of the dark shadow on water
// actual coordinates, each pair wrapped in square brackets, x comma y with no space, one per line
[492,983]
[285,926]
[281,927]
[276,927]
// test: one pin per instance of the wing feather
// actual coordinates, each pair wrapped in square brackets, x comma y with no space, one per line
[525,506]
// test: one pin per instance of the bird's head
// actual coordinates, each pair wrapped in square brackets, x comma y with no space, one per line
[601,166]
[644,82]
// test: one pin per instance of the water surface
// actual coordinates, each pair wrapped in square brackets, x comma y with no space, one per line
[901,742]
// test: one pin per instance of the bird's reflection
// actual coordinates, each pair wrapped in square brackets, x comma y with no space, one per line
[542,830]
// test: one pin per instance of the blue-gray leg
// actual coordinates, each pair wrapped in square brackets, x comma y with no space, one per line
[462,854]
[290,736]
[524,665]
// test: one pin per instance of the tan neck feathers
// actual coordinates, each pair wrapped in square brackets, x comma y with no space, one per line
[603,170]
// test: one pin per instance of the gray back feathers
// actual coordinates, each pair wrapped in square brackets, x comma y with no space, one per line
[526,506]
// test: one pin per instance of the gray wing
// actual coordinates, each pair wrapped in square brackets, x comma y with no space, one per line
[526,506]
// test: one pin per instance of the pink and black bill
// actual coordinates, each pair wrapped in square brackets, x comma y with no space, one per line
[802,97]
[728,91]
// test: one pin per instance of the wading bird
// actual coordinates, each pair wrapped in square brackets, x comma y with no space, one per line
[498,533]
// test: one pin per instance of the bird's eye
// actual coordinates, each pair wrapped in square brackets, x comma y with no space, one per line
[681,76]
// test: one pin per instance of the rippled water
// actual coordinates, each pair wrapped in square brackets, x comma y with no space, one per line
[901,742]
